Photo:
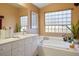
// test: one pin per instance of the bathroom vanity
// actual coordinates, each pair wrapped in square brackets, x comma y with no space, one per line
[21,45]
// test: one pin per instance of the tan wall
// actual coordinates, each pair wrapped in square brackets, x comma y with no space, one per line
[10,15]
[57,7]
[33,8]
[22,11]
[30,7]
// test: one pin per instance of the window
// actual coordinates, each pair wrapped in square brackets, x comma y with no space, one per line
[57,21]
[34,22]
[24,22]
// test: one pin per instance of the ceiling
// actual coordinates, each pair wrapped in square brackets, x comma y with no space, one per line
[40,5]
[15,4]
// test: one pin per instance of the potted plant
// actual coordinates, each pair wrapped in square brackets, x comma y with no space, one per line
[75,32]
[17,28]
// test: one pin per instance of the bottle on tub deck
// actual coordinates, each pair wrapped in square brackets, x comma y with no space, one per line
[72,45]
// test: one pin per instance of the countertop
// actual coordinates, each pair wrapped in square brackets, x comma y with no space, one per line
[15,38]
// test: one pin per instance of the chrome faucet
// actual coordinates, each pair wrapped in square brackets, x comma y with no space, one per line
[44,38]
[24,31]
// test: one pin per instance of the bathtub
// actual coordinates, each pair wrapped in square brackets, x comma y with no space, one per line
[55,46]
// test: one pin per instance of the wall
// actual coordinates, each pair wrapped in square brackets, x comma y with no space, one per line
[22,11]
[10,14]
[57,7]
[26,10]
[33,8]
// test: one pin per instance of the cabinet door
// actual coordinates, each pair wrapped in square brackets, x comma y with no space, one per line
[34,45]
[5,50]
[28,45]
[18,48]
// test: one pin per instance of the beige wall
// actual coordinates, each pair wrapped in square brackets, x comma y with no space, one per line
[22,11]
[57,7]
[27,9]
[33,8]
[10,14]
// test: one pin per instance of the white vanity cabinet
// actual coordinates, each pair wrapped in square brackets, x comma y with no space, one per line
[5,50]
[17,48]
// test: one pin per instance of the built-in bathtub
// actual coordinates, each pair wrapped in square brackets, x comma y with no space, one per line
[55,46]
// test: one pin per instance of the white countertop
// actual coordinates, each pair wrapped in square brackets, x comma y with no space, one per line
[18,37]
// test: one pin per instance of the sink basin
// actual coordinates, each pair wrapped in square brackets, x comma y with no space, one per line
[16,37]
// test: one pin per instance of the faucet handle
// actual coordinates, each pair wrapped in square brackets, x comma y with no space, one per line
[63,35]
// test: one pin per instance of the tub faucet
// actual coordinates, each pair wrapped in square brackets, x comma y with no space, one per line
[41,41]
[71,32]
[44,38]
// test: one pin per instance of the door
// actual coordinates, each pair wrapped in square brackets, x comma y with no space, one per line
[0,23]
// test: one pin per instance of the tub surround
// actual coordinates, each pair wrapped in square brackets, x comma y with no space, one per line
[55,46]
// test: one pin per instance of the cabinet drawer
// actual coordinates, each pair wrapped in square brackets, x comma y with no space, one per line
[5,50]
[17,52]
[5,47]
[18,48]
[17,44]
